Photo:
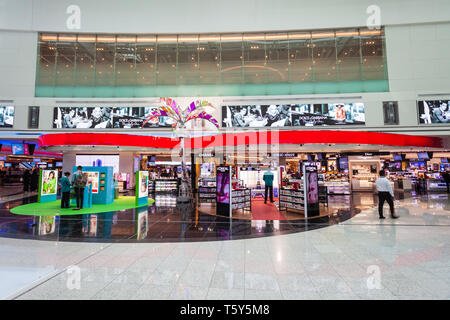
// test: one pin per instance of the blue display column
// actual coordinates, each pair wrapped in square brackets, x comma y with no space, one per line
[102,183]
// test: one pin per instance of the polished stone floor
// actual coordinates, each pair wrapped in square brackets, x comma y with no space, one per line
[360,257]
[165,221]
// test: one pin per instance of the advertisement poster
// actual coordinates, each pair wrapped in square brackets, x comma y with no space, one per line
[223,185]
[142,224]
[432,112]
[6,116]
[93,178]
[46,225]
[312,190]
[143,186]
[331,165]
[49,182]
[293,115]
[107,118]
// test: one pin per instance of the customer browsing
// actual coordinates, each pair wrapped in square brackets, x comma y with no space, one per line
[79,181]
[385,193]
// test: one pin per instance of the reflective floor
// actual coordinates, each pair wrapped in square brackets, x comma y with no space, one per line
[357,258]
[166,222]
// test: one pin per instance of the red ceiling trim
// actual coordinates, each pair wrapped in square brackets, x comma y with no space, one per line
[241,138]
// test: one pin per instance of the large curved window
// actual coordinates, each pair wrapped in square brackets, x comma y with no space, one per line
[102,65]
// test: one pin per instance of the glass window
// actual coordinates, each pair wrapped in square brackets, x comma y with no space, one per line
[86,61]
[324,56]
[348,55]
[254,58]
[146,61]
[85,53]
[232,59]
[166,60]
[104,61]
[300,57]
[46,63]
[209,59]
[277,58]
[187,66]
[125,59]
[372,56]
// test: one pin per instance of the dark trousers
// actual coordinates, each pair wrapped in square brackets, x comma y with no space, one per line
[65,198]
[79,193]
[385,196]
[266,190]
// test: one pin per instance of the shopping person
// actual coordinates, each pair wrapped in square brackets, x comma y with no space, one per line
[268,185]
[65,190]
[385,193]
[79,181]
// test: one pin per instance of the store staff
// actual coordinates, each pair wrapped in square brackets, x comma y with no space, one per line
[385,193]
[268,185]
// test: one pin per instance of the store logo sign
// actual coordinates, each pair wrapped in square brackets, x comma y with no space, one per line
[374,19]
[74,20]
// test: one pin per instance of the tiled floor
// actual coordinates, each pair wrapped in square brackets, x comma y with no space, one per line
[359,258]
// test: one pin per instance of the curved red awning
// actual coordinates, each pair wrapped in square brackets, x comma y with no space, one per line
[107,139]
[241,138]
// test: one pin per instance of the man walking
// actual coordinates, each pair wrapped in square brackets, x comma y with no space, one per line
[268,185]
[385,193]
[79,180]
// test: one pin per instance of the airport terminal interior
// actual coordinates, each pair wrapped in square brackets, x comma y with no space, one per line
[293,153]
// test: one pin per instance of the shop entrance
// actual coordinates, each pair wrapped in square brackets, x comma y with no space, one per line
[252,177]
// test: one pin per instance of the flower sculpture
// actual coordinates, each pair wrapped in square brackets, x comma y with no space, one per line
[195,110]
[182,116]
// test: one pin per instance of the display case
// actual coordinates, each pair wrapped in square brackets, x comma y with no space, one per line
[165,200]
[337,187]
[292,199]
[166,185]
[436,185]
[207,190]
[151,186]
[241,199]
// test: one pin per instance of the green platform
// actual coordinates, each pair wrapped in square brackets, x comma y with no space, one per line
[53,208]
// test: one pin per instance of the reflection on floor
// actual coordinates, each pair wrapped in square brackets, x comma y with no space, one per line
[168,221]
[359,258]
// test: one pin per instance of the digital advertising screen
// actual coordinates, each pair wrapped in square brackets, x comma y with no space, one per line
[423,155]
[421,165]
[223,185]
[107,118]
[293,115]
[6,116]
[143,184]
[343,164]
[94,179]
[331,165]
[311,189]
[17,149]
[434,111]
[397,157]
[49,184]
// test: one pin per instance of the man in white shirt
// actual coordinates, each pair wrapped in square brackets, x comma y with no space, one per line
[385,193]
